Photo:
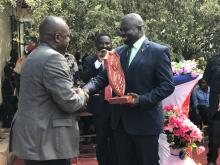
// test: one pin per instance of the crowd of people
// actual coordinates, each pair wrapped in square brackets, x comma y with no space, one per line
[53,88]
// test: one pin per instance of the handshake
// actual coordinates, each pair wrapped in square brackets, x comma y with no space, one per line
[81,92]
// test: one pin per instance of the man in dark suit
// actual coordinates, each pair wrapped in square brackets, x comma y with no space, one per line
[45,127]
[212,77]
[149,80]
[98,106]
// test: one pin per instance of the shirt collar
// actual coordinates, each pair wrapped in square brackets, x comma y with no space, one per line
[139,42]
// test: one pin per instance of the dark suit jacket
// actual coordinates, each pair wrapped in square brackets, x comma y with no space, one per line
[150,76]
[96,102]
[89,71]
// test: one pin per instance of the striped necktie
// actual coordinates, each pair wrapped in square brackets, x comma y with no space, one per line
[128,56]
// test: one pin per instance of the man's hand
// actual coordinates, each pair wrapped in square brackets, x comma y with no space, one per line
[86,91]
[82,92]
[135,100]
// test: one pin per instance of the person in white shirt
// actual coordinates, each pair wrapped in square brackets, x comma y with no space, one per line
[98,105]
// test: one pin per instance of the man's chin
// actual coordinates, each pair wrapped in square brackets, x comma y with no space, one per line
[128,43]
[62,51]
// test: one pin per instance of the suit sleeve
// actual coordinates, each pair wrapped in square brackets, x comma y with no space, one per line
[164,78]
[97,83]
[56,79]
[89,71]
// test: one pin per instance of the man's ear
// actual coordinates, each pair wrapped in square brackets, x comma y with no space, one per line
[140,28]
[57,38]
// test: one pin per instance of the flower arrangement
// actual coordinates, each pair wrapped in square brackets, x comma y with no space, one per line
[181,132]
[185,67]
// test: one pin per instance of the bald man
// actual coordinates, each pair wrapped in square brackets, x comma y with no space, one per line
[149,79]
[45,128]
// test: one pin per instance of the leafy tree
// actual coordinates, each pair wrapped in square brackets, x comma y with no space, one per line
[191,28]
[85,18]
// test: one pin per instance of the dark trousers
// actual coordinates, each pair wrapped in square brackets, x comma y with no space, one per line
[203,112]
[213,103]
[214,127]
[214,140]
[195,118]
[136,149]
[105,149]
[49,162]
[9,109]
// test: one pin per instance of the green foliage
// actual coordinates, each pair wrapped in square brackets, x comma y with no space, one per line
[6,4]
[191,28]
[85,18]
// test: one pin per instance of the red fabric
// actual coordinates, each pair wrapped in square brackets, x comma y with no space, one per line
[115,73]
[185,106]
[181,95]
[74,161]
[108,92]
[30,47]
[190,152]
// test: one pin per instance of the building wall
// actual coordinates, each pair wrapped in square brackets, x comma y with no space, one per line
[5,44]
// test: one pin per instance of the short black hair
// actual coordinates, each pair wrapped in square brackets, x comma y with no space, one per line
[201,81]
[99,35]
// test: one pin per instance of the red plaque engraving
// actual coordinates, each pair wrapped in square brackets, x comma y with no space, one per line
[116,78]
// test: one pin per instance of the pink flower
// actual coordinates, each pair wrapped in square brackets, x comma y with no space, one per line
[178,132]
[172,120]
[166,128]
[179,129]
[184,127]
[168,108]
[200,150]
[196,133]
[200,138]
[185,67]
[187,138]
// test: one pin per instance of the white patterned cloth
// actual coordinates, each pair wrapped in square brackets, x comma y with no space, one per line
[166,158]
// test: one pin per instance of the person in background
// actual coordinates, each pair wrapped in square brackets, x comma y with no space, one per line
[149,80]
[200,98]
[77,56]
[74,69]
[212,77]
[9,99]
[45,128]
[98,106]
[20,62]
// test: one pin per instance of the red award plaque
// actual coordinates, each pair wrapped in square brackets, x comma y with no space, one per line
[116,78]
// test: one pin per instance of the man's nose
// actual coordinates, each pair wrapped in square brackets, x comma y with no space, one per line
[105,45]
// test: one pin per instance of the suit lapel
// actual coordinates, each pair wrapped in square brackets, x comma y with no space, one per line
[143,51]
[123,59]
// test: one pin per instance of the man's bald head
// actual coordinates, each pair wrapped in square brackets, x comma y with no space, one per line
[51,24]
[134,19]
[131,28]
[55,32]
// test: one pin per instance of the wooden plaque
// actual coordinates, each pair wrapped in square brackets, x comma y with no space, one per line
[116,78]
